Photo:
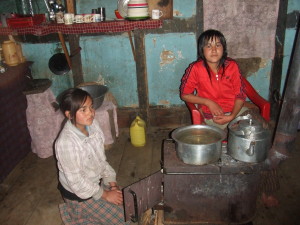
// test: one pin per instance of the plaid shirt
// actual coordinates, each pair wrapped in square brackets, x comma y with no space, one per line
[82,162]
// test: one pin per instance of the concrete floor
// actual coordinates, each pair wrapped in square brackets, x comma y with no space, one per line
[28,196]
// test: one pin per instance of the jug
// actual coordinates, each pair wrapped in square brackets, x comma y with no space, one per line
[138,132]
[248,141]
[10,53]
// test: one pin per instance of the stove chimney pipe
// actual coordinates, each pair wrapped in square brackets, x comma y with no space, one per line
[286,130]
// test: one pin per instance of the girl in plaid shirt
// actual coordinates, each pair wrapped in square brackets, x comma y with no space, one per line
[86,181]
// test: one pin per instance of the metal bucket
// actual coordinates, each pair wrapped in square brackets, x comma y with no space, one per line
[198,144]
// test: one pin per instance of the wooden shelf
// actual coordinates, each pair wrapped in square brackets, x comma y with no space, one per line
[87,28]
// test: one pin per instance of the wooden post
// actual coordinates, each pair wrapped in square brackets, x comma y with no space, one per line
[141,74]
[70,6]
[275,81]
[63,44]
[131,43]
[76,59]
[74,45]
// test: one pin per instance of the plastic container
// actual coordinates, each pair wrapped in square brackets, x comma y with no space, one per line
[138,132]
[26,21]
[10,53]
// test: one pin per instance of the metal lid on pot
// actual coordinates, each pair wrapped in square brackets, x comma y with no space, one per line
[250,124]
[247,127]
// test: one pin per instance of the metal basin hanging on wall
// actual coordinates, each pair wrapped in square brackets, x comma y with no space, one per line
[58,63]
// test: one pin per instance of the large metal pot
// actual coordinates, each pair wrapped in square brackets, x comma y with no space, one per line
[198,144]
[248,141]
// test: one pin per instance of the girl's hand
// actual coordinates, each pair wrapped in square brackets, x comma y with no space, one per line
[112,188]
[214,108]
[113,196]
[222,119]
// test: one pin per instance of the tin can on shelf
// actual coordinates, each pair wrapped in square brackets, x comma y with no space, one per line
[101,11]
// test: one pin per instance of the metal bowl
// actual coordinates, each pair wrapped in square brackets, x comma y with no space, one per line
[97,92]
[198,144]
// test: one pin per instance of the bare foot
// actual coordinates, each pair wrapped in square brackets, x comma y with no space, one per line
[269,200]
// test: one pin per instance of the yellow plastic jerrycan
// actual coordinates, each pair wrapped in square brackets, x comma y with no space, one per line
[138,132]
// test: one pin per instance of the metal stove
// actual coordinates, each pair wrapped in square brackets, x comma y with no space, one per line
[224,192]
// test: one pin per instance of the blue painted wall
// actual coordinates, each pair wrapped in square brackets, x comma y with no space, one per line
[108,58]
[261,79]
[183,10]
[168,55]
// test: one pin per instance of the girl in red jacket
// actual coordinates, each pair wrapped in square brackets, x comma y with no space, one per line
[217,81]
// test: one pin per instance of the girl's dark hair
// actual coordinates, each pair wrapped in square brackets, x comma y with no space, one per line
[202,41]
[71,100]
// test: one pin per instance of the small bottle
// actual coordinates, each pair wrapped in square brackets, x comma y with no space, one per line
[138,132]
[101,11]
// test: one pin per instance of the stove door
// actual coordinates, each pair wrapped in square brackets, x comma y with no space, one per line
[142,195]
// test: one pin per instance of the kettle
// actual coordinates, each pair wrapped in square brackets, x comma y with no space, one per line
[248,141]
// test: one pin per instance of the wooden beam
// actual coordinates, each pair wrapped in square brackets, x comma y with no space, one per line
[132,45]
[141,74]
[276,73]
[74,40]
[76,59]
[70,6]
[63,44]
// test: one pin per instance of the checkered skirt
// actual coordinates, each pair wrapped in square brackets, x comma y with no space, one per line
[91,212]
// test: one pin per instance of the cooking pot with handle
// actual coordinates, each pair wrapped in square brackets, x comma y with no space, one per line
[248,141]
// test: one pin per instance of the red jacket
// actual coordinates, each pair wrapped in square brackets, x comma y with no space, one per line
[223,90]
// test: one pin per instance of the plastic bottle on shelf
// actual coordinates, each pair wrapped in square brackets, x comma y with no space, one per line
[138,132]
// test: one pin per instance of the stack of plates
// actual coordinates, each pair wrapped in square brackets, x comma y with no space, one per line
[137,10]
